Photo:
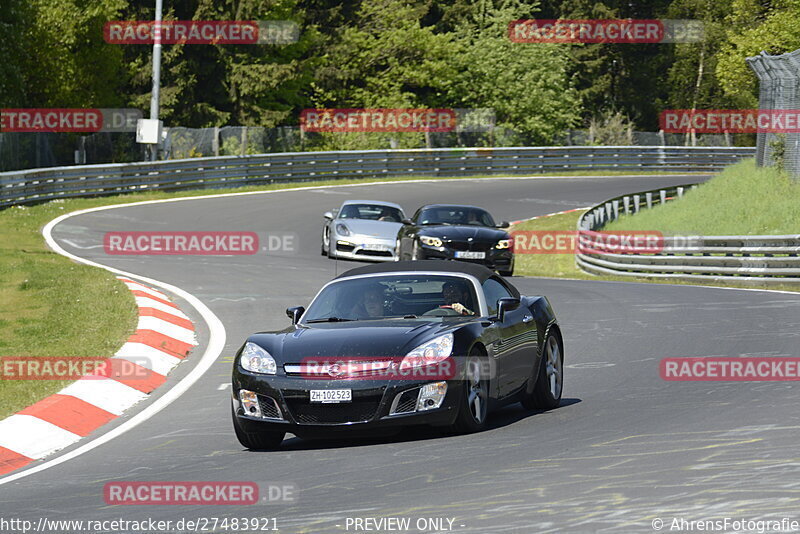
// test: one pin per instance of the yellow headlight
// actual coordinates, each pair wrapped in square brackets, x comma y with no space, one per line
[503,243]
[430,241]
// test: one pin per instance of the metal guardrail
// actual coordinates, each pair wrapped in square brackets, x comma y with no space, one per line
[37,185]
[762,258]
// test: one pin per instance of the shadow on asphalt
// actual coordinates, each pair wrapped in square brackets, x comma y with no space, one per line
[503,417]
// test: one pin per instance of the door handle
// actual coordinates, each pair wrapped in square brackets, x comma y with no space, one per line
[527,318]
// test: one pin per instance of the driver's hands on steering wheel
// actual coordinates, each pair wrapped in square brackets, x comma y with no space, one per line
[460,308]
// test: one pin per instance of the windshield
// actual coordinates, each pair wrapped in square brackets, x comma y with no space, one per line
[455,215]
[394,296]
[374,212]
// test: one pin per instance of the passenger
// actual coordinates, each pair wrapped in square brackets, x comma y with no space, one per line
[371,303]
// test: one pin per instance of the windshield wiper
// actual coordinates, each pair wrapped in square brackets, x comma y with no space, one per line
[330,320]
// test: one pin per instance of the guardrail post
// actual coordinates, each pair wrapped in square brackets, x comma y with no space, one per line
[663,194]
[636,200]
[627,202]
[649,197]
[616,209]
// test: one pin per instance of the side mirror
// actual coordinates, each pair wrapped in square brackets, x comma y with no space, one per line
[328,215]
[295,313]
[505,305]
[407,222]
[504,224]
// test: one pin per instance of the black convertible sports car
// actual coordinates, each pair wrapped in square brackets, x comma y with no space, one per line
[451,232]
[423,342]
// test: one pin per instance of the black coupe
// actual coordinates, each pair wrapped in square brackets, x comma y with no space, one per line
[423,342]
[452,232]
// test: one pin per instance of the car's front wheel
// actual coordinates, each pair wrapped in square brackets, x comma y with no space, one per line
[416,252]
[473,408]
[261,441]
[546,392]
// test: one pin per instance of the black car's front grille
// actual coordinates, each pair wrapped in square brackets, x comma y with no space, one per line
[464,245]
[407,402]
[269,407]
[347,412]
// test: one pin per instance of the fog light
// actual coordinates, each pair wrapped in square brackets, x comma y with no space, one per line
[431,396]
[250,403]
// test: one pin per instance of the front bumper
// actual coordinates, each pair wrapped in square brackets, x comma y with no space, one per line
[370,408]
[358,247]
[495,259]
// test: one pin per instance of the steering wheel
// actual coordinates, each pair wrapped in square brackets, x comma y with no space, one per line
[442,311]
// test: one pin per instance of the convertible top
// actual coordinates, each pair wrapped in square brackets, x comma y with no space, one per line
[473,269]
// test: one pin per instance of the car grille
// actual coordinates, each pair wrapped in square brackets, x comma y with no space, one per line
[344,248]
[349,412]
[380,253]
[407,402]
[269,408]
[463,245]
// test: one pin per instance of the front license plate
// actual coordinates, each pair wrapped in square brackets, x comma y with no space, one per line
[326,396]
[469,255]
[374,247]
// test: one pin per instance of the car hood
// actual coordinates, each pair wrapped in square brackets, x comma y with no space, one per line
[387,337]
[479,234]
[371,228]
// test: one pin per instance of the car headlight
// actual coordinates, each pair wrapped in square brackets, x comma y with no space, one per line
[433,351]
[257,360]
[430,241]
[503,243]
[341,229]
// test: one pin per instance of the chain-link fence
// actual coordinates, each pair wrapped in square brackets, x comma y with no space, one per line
[779,89]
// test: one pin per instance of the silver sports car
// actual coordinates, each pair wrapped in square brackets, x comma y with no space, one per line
[362,230]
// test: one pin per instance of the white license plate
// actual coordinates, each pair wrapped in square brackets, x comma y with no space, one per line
[326,396]
[469,255]
[374,247]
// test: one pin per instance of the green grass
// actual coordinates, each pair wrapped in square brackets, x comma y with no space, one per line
[741,200]
[51,306]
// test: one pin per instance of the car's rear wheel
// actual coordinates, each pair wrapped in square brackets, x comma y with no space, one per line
[263,441]
[473,408]
[546,392]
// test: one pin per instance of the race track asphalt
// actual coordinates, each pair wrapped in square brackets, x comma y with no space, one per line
[624,448]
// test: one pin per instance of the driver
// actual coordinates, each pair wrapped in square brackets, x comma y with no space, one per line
[371,303]
[454,294]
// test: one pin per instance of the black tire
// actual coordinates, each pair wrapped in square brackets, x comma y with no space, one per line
[546,395]
[322,246]
[466,422]
[506,273]
[262,441]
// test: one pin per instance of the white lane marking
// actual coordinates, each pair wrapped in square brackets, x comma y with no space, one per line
[33,437]
[156,360]
[223,387]
[147,322]
[105,393]
[144,302]
[216,343]
[75,245]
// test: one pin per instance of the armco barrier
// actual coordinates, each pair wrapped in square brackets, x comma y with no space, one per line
[37,185]
[761,258]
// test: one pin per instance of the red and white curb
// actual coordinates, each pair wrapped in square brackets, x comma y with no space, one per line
[163,338]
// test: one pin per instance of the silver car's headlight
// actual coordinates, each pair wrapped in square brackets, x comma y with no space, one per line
[433,351]
[257,360]
[341,229]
